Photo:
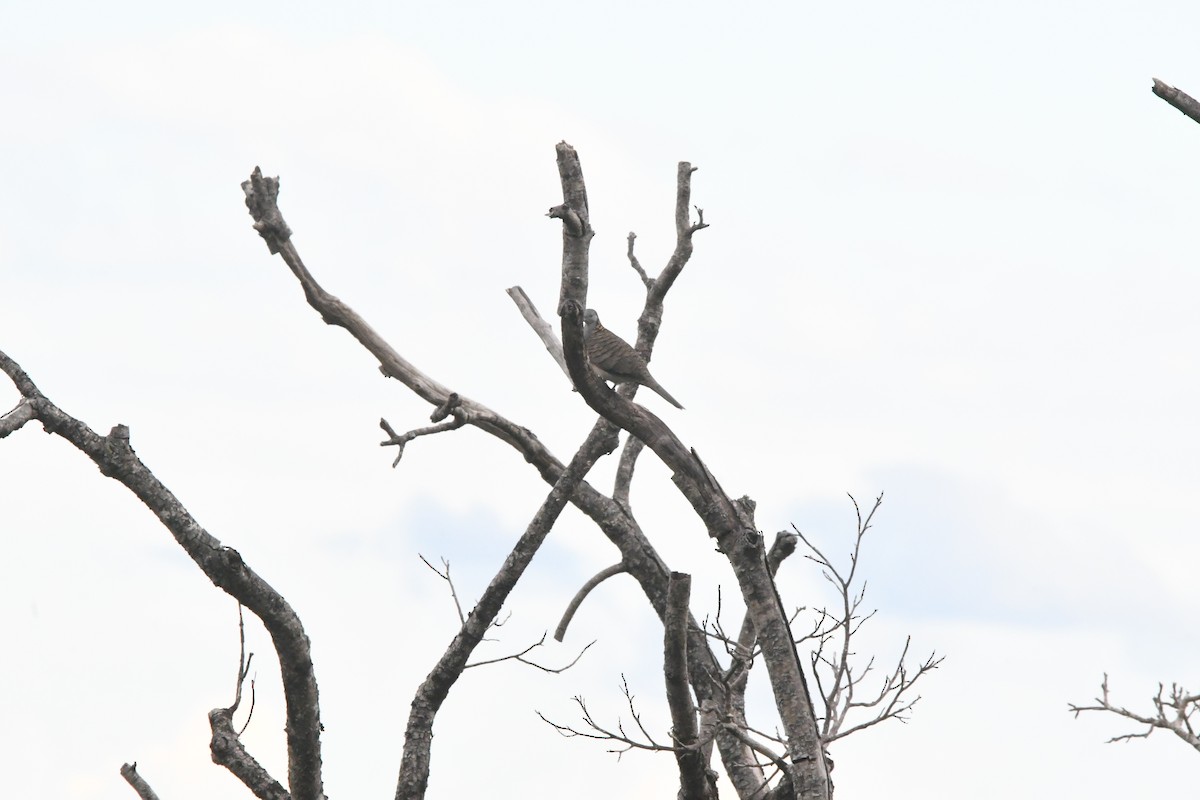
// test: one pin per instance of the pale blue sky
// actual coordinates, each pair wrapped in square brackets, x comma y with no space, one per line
[950,259]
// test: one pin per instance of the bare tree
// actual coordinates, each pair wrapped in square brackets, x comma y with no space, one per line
[705,689]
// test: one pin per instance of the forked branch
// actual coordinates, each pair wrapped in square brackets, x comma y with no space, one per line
[451,406]
[620,741]
[1174,710]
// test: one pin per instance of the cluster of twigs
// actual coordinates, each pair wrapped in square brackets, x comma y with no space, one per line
[1174,709]
[847,706]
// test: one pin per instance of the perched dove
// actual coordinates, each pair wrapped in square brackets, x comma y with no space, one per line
[615,360]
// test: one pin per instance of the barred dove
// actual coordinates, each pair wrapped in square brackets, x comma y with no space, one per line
[615,360]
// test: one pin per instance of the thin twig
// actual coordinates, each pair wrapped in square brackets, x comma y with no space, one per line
[444,574]
[521,658]
[601,733]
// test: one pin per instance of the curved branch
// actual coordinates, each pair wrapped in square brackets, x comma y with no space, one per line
[223,566]
[592,582]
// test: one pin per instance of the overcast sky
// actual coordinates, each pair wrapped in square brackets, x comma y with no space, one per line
[951,259]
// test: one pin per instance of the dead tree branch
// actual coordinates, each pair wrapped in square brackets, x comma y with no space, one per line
[1184,103]
[228,751]
[130,774]
[13,420]
[696,781]
[444,574]
[647,281]
[543,329]
[619,736]
[1173,711]
[624,479]
[758,747]
[576,601]
[452,405]
[521,658]
[243,672]
[222,565]
[749,774]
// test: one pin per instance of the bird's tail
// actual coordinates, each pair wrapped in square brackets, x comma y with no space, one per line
[663,393]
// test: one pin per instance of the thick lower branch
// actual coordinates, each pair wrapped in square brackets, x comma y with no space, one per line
[222,565]
[695,780]
[228,751]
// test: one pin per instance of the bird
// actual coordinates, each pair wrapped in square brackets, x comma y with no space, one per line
[615,360]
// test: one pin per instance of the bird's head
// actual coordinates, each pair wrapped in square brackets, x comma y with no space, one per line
[591,320]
